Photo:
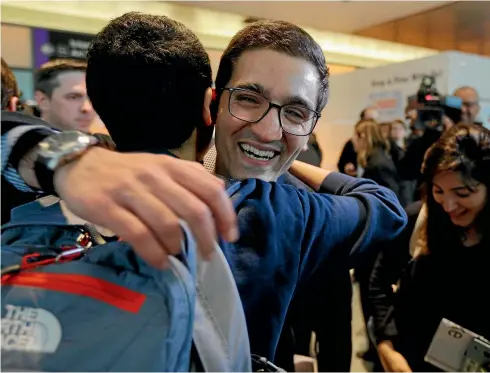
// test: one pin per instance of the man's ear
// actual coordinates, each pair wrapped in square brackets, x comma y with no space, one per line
[12,105]
[206,129]
[206,107]
[215,105]
[42,100]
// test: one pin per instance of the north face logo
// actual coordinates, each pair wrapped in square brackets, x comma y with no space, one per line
[30,329]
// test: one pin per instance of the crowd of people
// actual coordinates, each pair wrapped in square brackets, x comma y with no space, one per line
[291,231]
[421,166]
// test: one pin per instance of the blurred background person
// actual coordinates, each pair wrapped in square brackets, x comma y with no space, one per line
[375,163]
[398,134]
[369,113]
[449,241]
[347,163]
[10,89]
[471,104]
[11,197]
[398,137]
[385,129]
[410,120]
[312,154]
[373,155]
[61,95]
[412,162]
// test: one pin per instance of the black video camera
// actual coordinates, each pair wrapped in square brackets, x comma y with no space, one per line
[431,106]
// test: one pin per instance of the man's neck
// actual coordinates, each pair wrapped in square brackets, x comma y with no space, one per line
[50,122]
[220,169]
[187,151]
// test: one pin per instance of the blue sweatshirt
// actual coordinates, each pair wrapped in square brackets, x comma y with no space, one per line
[287,234]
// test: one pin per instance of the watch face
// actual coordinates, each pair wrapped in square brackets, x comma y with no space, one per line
[58,148]
[63,141]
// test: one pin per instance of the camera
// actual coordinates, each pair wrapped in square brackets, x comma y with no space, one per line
[432,106]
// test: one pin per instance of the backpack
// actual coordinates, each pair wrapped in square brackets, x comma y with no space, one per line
[73,300]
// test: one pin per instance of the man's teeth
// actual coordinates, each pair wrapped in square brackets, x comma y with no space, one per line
[255,153]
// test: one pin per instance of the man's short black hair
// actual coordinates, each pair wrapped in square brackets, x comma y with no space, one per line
[9,85]
[146,78]
[46,77]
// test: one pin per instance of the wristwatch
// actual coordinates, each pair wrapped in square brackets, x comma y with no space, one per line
[62,148]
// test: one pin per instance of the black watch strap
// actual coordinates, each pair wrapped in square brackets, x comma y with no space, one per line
[25,143]
[45,177]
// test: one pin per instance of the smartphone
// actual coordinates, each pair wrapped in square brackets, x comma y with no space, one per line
[449,345]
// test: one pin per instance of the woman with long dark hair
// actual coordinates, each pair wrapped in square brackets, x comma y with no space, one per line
[447,247]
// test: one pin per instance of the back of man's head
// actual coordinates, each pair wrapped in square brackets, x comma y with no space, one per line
[281,37]
[146,78]
[369,113]
[10,89]
[46,77]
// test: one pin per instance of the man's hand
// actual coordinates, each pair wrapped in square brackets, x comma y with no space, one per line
[310,175]
[141,197]
[447,123]
[391,359]
[350,169]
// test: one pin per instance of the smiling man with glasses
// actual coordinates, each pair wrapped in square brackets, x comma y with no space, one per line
[271,85]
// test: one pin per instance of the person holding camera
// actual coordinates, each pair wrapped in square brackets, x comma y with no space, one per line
[447,247]
[462,107]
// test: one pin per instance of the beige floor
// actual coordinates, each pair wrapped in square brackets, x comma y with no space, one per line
[359,338]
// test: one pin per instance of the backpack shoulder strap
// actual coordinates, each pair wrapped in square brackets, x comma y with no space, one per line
[220,329]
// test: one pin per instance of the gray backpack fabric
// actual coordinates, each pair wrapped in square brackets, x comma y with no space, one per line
[107,310]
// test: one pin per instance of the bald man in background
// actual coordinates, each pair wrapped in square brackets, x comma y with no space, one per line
[471,104]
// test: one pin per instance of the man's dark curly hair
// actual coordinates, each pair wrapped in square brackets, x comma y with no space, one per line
[146,78]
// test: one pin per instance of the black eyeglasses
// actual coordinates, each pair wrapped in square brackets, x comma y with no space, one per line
[252,107]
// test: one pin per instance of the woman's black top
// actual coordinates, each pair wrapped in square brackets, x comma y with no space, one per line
[453,284]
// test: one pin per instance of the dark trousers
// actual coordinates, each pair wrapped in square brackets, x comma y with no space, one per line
[363,276]
[325,308]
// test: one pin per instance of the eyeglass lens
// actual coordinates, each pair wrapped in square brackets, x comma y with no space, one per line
[251,107]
